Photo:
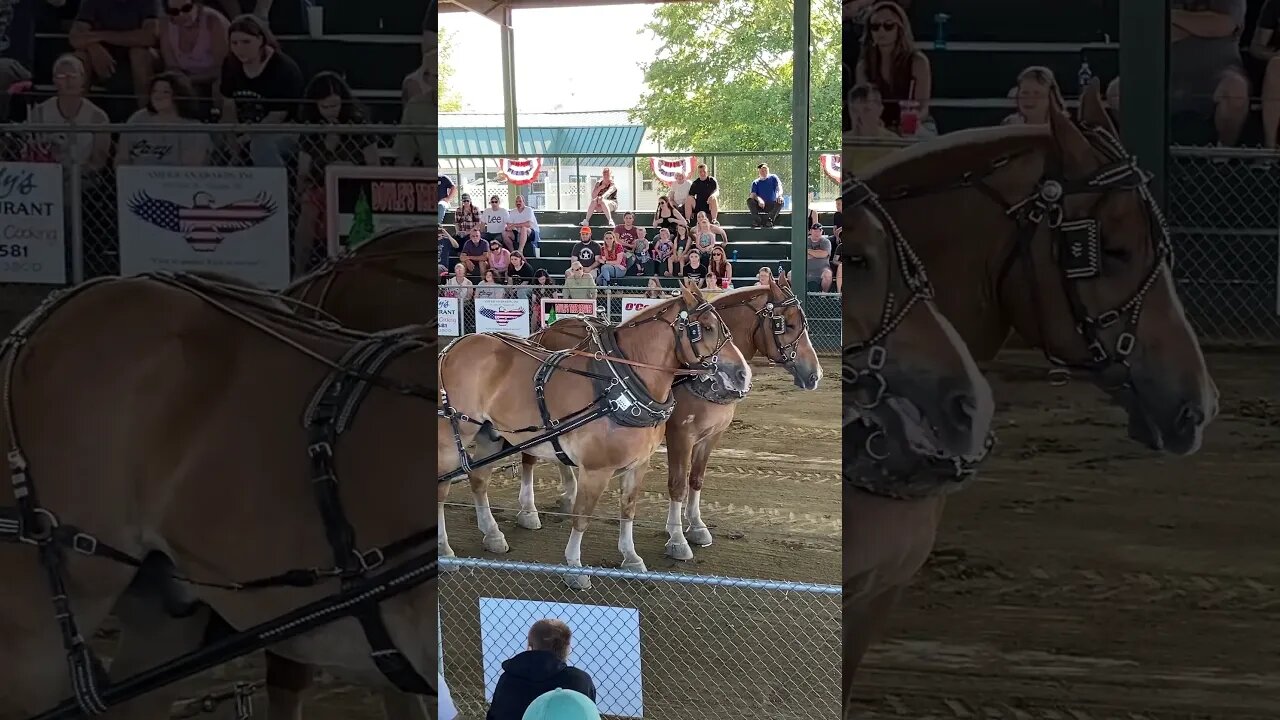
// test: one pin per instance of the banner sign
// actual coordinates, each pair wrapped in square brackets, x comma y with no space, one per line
[361,201]
[567,307]
[632,306]
[233,221]
[666,168]
[33,245]
[449,316]
[506,315]
[520,172]
[831,166]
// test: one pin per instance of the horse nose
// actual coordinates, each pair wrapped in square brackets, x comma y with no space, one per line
[741,377]
[962,409]
[1189,419]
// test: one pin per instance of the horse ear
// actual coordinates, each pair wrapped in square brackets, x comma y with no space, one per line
[1091,110]
[1077,154]
[686,293]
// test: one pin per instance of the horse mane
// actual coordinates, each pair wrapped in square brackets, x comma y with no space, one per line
[940,161]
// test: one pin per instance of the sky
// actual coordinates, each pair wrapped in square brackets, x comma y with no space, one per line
[557,66]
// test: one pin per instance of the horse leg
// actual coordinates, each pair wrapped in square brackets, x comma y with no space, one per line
[632,483]
[569,488]
[494,540]
[861,626]
[592,485]
[286,681]
[679,451]
[528,516]
[698,533]
[442,536]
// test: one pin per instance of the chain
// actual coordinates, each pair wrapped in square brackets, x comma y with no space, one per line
[242,694]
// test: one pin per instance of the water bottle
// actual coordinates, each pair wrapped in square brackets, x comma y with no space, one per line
[1085,74]
[735,256]
[940,35]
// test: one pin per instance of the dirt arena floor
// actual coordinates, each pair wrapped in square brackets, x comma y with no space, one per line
[1084,578]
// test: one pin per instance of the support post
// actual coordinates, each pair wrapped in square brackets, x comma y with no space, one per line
[510,111]
[800,147]
[1144,88]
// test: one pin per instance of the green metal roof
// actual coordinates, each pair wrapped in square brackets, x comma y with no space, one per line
[545,141]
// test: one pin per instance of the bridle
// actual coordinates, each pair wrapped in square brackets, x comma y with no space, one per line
[688,326]
[772,320]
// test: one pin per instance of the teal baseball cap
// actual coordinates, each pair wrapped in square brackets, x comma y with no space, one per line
[561,704]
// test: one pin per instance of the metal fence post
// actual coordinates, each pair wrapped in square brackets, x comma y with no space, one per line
[75,188]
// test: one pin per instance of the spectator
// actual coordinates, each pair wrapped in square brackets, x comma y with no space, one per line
[762,277]
[18,31]
[327,101]
[706,194]
[520,273]
[664,251]
[1265,46]
[587,251]
[489,288]
[765,201]
[1037,93]
[704,235]
[446,246]
[475,251]
[679,194]
[542,288]
[818,267]
[614,255]
[866,111]
[171,102]
[466,216]
[445,190]
[710,284]
[837,220]
[891,62]
[693,267]
[494,219]
[261,85]
[193,41]
[417,148]
[459,285]
[1206,76]
[523,226]
[90,150]
[604,198]
[667,216]
[653,289]
[578,282]
[683,242]
[628,233]
[721,267]
[111,35]
[641,258]
[561,704]
[498,258]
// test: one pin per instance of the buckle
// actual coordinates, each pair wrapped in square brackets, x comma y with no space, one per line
[876,357]
[84,544]
[1097,351]
[1125,343]
[320,448]
[371,560]
[1108,318]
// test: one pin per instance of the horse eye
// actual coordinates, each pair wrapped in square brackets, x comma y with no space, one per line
[857,261]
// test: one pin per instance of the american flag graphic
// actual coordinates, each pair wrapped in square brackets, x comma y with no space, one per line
[502,317]
[203,225]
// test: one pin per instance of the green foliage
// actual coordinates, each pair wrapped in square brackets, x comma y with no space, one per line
[450,101]
[722,78]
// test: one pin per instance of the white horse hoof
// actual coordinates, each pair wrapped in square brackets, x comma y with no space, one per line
[446,552]
[699,536]
[496,543]
[637,566]
[680,551]
[529,520]
[578,582]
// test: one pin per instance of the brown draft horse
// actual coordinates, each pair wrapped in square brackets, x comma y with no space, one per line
[511,390]
[1048,230]
[762,319]
[161,414]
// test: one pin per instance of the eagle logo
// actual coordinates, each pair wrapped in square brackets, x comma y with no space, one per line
[202,224]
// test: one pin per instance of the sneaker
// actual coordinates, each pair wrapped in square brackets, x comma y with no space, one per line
[585,223]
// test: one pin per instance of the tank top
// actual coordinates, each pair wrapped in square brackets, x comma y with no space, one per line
[894,90]
[706,240]
[198,60]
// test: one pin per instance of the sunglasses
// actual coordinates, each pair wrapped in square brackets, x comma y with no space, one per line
[174,12]
[886,26]
[493,202]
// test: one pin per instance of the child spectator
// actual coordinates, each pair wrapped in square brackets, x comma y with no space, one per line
[193,41]
[710,284]
[664,251]
[762,277]
[116,40]
[170,102]
[705,192]
[520,273]
[614,256]
[693,267]
[604,198]
[765,201]
[475,252]
[261,85]
[1037,93]
[866,112]
[653,289]
[489,288]
[523,225]
[542,288]
[683,242]
[667,216]
[494,219]
[891,62]
[704,235]
[642,257]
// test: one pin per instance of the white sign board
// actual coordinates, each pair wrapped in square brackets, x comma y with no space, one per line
[632,306]
[33,247]
[233,221]
[448,316]
[506,315]
[606,645]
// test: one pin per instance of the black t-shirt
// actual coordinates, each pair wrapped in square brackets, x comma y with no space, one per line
[587,254]
[1268,19]
[837,222]
[699,272]
[523,276]
[701,190]
[277,87]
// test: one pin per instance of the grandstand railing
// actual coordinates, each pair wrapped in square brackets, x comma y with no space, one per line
[564,181]
[457,315]
[713,648]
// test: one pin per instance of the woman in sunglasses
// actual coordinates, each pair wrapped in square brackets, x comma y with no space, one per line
[721,267]
[193,39]
[891,62]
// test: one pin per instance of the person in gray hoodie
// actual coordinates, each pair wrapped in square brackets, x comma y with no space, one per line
[541,668]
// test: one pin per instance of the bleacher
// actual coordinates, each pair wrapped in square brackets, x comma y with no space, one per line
[756,247]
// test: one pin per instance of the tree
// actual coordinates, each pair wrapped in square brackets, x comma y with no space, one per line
[722,78]
[450,101]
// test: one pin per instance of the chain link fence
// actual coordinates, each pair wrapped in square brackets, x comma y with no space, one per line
[709,647]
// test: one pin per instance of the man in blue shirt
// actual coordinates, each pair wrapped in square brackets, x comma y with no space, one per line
[766,198]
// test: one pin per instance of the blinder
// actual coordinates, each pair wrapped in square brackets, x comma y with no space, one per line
[1080,249]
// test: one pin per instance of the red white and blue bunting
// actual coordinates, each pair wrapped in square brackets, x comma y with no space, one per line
[520,172]
[831,166]
[665,168]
